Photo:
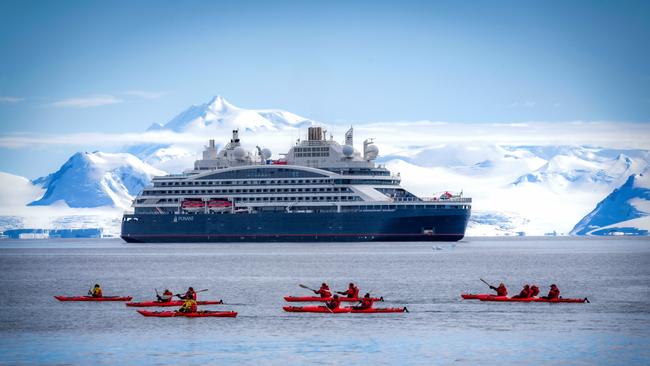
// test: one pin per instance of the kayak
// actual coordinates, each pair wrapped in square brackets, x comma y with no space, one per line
[315,309]
[170,303]
[532,299]
[200,314]
[475,296]
[561,299]
[90,298]
[379,310]
[324,299]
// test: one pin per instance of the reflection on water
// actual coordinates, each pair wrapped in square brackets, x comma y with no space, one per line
[252,278]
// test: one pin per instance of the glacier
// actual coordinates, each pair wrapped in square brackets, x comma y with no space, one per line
[517,188]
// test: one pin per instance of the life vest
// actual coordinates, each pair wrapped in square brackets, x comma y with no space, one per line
[553,293]
[97,292]
[189,306]
[334,304]
[324,292]
[534,291]
[366,303]
[502,291]
[166,296]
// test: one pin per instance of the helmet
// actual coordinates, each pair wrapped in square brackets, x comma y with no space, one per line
[96,285]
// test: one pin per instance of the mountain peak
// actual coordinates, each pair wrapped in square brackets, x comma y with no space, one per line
[220,104]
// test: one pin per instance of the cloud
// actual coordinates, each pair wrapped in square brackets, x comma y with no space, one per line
[10,99]
[86,102]
[144,94]
[390,137]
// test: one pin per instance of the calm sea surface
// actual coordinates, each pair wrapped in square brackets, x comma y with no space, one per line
[252,279]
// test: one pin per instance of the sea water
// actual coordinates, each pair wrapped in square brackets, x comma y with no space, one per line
[253,278]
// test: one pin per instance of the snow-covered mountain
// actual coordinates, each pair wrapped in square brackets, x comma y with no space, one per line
[624,211]
[517,189]
[96,179]
[214,119]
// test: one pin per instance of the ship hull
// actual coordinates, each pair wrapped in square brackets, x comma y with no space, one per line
[397,225]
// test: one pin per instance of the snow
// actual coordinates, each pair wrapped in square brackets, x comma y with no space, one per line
[17,192]
[622,207]
[96,179]
[216,119]
[520,181]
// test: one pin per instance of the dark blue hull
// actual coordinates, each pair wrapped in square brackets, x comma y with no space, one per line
[396,225]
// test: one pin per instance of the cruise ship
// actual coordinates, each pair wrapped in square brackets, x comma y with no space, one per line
[320,190]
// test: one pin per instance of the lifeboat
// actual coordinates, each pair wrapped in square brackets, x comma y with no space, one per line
[219,205]
[192,205]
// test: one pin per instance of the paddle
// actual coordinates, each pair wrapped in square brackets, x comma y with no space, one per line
[308,288]
[482,280]
[205,289]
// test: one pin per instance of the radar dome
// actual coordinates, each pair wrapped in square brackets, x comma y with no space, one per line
[266,153]
[239,153]
[371,152]
[348,150]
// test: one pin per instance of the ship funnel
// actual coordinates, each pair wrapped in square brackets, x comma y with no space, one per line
[315,133]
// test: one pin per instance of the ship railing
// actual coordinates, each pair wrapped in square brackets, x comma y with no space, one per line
[432,199]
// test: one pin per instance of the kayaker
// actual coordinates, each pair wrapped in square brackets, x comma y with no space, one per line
[190,294]
[96,291]
[166,296]
[189,306]
[365,303]
[534,291]
[501,290]
[524,294]
[334,303]
[324,291]
[352,292]
[553,293]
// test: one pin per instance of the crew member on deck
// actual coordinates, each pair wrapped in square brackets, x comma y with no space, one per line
[334,303]
[324,291]
[96,291]
[352,292]
[364,303]
[501,290]
[165,297]
[524,294]
[553,293]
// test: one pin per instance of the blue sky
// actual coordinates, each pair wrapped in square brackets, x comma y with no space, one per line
[91,66]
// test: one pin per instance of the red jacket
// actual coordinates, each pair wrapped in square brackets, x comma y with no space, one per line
[553,293]
[334,303]
[352,292]
[534,291]
[324,292]
[366,303]
[502,291]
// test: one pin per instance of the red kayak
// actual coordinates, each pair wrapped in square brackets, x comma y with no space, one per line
[200,314]
[475,296]
[90,298]
[324,299]
[315,309]
[145,304]
[531,299]
[380,310]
